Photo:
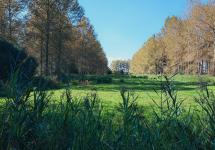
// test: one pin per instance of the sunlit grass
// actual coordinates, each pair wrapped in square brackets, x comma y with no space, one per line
[187,87]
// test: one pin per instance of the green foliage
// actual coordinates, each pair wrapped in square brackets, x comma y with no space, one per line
[172,123]
[15,60]
[109,72]
[122,81]
[206,101]
[104,79]
[2,92]
[145,77]
[133,76]
[75,82]
[30,118]
[46,83]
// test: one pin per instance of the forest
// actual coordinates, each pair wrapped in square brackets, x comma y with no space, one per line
[60,91]
[56,33]
[184,45]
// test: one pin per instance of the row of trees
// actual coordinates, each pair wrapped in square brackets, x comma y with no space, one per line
[56,32]
[183,46]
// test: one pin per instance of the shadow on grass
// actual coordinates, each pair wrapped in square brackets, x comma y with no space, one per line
[142,85]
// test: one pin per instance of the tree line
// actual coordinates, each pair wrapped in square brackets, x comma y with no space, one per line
[120,66]
[56,32]
[184,45]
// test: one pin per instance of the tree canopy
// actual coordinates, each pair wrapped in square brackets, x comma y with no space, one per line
[56,32]
[183,46]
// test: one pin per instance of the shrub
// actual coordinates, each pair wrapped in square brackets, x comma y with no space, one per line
[122,81]
[92,78]
[2,92]
[75,82]
[46,83]
[15,60]
[145,77]
[133,76]
[104,79]
[74,77]
[62,77]
[109,72]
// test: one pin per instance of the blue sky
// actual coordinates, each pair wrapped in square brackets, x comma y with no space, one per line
[123,26]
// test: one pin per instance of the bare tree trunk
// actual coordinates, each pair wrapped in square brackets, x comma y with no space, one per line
[59,54]
[214,57]
[47,39]
[41,56]
[10,20]
[208,67]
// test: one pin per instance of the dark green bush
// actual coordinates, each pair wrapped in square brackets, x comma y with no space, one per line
[133,76]
[122,81]
[75,82]
[109,72]
[62,77]
[104,79]
[2,89]
[46,83]
[15,60]
[74,77]
[145,77]
[92,78]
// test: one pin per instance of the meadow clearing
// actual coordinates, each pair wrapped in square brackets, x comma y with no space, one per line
[110,112]
[65,87]
[145,88]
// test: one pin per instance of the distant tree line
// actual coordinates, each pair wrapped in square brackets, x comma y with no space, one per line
[184,46]
[56,33]
[120,66]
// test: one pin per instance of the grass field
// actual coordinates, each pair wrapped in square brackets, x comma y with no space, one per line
[144,87]
[31,119]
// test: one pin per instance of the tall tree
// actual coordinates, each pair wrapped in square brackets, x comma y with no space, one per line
[11,18]
[64,37]
[187,44]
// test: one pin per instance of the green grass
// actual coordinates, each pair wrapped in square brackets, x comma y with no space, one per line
[31,119]
[186,85]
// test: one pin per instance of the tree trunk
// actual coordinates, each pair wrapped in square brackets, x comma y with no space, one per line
[47,39]
[41,57]
[10,20]
[59,55]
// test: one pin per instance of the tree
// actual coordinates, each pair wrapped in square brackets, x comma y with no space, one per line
[69,12]
[203,30]
[184,45]
[174,37]
[151,58]
[56,33]
[91,57]
[51,23]
[10,18]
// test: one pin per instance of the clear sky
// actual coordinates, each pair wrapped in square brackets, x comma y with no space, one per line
[123,26]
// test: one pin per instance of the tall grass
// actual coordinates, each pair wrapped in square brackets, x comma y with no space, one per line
[30,118]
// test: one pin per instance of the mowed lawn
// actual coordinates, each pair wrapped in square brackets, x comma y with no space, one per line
[142,87]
